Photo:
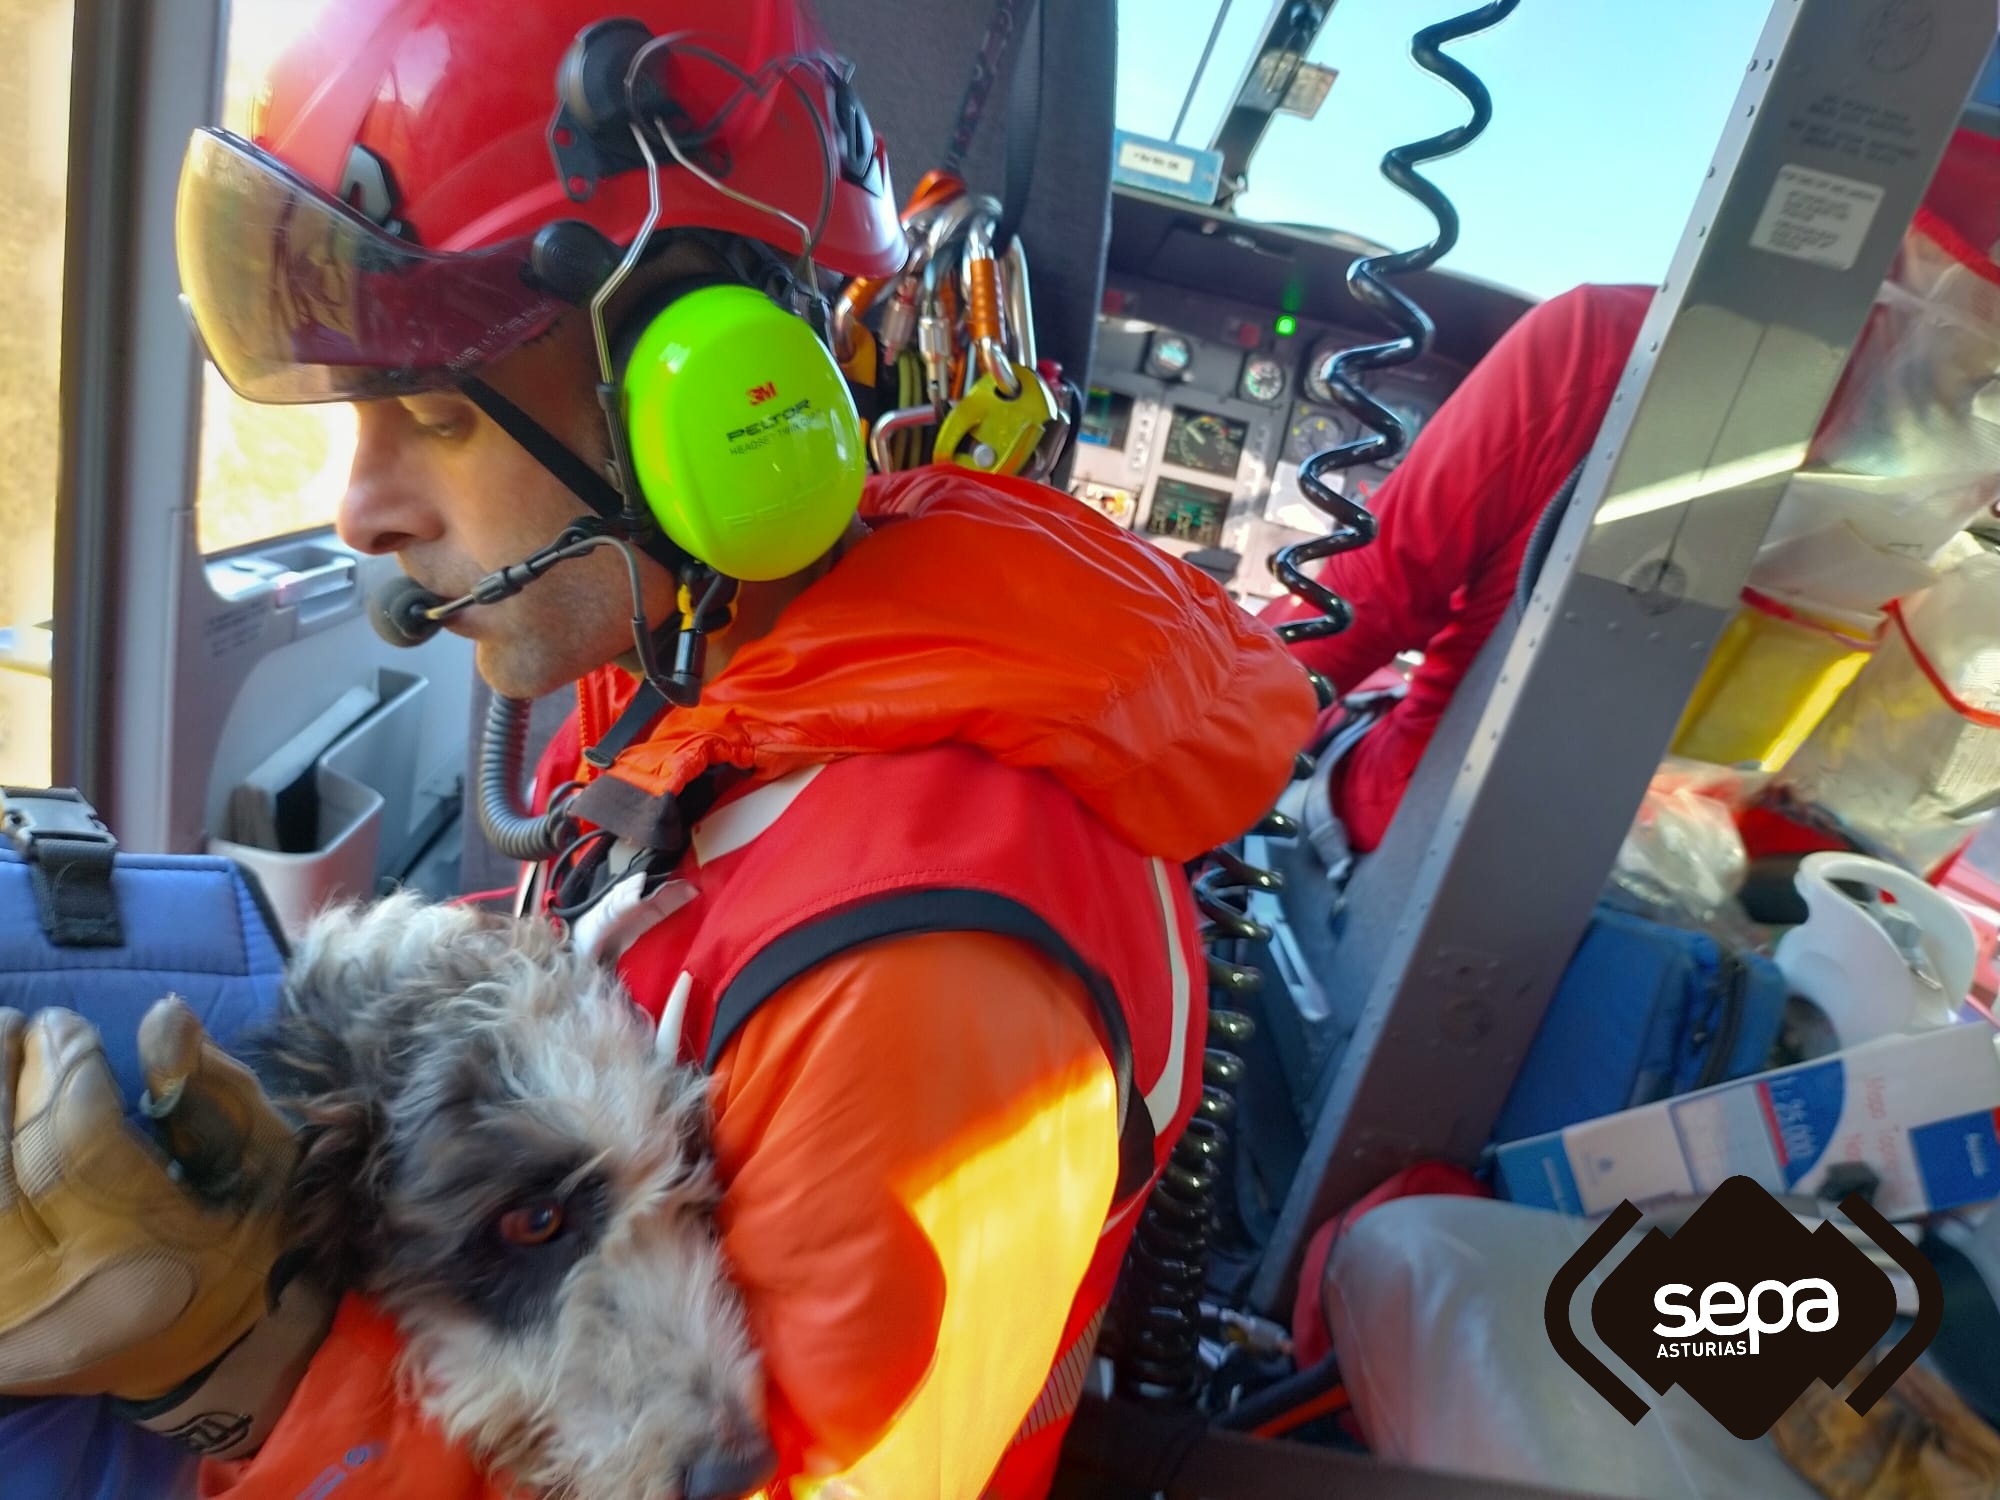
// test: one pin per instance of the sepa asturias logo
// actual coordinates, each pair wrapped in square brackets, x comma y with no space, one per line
[1743,1307]
[1739,1317]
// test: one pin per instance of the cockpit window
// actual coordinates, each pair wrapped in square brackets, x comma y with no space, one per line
[1605,121]
[34,114]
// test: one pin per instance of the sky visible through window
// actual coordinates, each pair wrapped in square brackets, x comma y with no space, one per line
[1606,115]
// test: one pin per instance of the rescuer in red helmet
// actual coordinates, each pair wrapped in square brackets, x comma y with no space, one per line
[885,795]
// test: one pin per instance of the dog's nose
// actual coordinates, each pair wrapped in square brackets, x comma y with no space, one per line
[731,1473]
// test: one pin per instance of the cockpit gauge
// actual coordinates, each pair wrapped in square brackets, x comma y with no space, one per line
[1202,440]
[1317,389]
[1412,414]
[1314,432]
[1411,410]
[1169,356]
[1263,378]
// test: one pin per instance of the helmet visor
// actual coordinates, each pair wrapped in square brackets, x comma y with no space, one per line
[299,299]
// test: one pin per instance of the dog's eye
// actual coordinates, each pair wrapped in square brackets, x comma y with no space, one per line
[536,1224]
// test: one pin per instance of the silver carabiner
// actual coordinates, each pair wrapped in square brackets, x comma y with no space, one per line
[1018,302]
[936,340]
[921,243]
[892,424]
[950,219]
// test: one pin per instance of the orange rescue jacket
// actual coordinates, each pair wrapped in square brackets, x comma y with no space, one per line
[918,1137]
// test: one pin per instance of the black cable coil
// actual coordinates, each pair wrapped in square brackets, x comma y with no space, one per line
[1153,1329]
[1353,525]
[513,831]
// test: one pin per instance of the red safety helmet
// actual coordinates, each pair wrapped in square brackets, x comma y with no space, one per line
[429,184]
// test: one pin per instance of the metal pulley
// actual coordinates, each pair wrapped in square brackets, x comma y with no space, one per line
[994,430]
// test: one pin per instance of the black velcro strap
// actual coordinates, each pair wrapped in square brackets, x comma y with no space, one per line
[72,881]
[949,910]
[70,857]
[589,486]
[632,814]
[1024,127]
[640,715]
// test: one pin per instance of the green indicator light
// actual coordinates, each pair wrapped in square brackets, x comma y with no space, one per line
[1287,325]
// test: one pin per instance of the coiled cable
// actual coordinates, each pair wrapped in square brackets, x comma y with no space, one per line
[1353,524]
[1154,1328]
[513,831]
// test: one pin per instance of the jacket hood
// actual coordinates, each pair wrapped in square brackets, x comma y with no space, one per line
[992,612]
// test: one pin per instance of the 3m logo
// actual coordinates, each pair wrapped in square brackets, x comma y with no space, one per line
[759,394]
[1743,1307]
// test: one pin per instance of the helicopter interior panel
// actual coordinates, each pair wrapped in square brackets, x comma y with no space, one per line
[1199,416]
[1202,404]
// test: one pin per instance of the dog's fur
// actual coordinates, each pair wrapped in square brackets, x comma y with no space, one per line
[447,1067]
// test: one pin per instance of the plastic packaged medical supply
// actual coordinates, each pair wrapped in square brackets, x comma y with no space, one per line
[1906,456]
[1781,664]
[1908,453]
[1907,764]
[1683,859]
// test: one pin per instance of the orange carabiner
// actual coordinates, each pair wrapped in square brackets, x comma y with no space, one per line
[933,188]
[985,322]
[860,295]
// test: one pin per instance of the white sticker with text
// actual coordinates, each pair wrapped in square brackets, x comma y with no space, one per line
[1155,162]
[1817,217]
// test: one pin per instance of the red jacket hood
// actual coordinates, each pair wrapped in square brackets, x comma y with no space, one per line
[997,613]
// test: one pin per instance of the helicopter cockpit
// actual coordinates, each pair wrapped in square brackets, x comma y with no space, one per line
[1216,273]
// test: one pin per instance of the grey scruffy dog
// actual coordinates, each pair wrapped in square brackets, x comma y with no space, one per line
[492,1149]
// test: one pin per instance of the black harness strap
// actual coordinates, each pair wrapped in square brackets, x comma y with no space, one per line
[1010,18]
[1000,29]
[72,880]
[1024,127]
[948,910]
[660,822]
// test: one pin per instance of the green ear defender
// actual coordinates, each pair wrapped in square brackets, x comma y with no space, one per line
[746,444]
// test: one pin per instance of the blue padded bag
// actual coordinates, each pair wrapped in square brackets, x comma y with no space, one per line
[192,926]
[1644,1012]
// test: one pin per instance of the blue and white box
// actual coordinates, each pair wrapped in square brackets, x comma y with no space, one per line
[1923,1111]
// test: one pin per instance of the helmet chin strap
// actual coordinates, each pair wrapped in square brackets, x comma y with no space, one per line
[706,600]
[575,475]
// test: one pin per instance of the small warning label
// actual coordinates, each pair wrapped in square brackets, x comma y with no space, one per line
[1155,162]
[1818,217]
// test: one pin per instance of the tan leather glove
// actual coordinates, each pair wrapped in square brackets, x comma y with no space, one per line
[144,1275]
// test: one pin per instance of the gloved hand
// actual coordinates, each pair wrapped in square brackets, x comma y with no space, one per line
[134,1273]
